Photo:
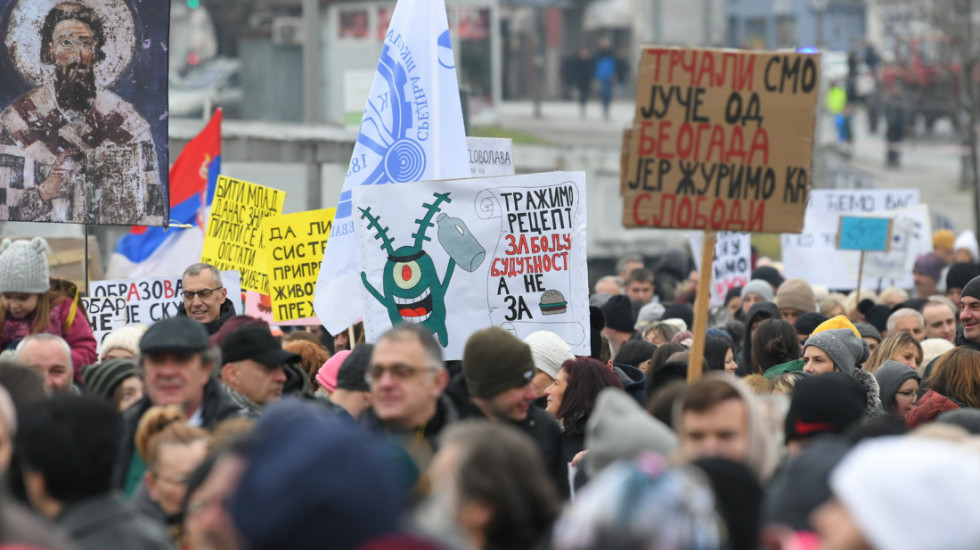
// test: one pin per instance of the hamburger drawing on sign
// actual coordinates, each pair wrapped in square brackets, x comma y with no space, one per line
[553,303]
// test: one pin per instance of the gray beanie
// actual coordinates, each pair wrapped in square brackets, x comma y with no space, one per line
[843,347]
[868,330]
[890,376]
[24,266]
[760,287]
[619,429]
[649,314]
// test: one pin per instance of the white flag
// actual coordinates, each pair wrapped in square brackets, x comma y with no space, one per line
[412,130]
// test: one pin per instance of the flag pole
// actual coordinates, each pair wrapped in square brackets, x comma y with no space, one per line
[86,258]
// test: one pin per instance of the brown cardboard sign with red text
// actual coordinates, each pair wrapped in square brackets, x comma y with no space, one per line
[722,140]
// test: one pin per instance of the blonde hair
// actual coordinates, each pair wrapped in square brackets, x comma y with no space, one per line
[889,347]
[164,426]
[892,293]
[759,384]
[42,313]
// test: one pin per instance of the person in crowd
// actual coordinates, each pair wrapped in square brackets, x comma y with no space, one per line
[869,334]
[407,378]
[497,371]
[775,343]
[880,479]
[649,314]
[29,305]
[352,392]
[754,292]
[115,380]
[965,248]
[830,403]
[832,306]
[312,355]
[926,274]
[733,302]
[954,383]
[901,347]
[549,352]
[122,343]
[50,355]
[172,450]
[890,297]
[610,284]
[957,277]
[661,332]
[572,397]
[759,313]
[176,359]
[580,71]
[943,241]
[719,354]
[805,325]
[931,349]
[342,342]
[769,274]
[843,350]
[639,286]
[628,263]
[253,374]
[970,315]
[620,429]
[908,320]
[488,490]
[719,417]
[66,445]
[207,520]
[326,375]
[899,388]
[606,73]
[619,321]
[939,315]
[784,384]
[794,298]
[636,354]
[205,297]
[311,482]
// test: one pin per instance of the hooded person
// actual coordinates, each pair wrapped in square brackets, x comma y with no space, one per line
[794,298]
[757,314]
[842,349]
[620,429]
[881,480]
[965,248]
[899,386]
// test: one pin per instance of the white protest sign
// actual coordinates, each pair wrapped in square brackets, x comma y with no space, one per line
[145,301]
[459,256]
[813,254]
[732,266]
[490,156]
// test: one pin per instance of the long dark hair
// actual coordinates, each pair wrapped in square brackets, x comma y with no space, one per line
[715,350]
[586,377]
[774,343]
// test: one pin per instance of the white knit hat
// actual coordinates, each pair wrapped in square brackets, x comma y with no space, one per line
[24,266]
[548,351]
[126,338]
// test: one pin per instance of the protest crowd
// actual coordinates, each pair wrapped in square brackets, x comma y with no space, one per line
[820,420]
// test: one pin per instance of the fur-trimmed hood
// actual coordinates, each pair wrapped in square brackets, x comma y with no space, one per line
[872,394]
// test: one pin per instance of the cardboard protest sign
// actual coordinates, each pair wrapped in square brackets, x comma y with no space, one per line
[864,233]
[722,140]
[260,306]
[234,240]
[458,256]
[293,249]
[490,156]
[116,303]
[83,125]
[813,255]
[732,265]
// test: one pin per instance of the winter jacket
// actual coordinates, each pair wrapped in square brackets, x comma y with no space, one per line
[633,380]
[226,312]
[446,413]
[216,407]
[929,407]
[79,335]
[107,523]
[872,393]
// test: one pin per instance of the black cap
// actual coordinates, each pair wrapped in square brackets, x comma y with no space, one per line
[350,375]
[961,274]
[256,343]
[175,335]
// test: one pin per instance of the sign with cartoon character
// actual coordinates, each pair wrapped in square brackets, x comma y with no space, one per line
[83,111]
[457,256]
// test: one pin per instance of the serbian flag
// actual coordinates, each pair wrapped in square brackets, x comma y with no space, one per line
[159,252]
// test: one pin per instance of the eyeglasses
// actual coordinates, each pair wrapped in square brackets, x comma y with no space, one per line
[398,372]
[906,393]
[202,294]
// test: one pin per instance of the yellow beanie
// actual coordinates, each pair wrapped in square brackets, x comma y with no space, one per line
[944,239]
[836,322]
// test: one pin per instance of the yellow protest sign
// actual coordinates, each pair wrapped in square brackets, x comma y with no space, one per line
[233,238]
[293,249]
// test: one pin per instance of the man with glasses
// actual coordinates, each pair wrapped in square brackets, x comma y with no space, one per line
[407,378]
[205,298]
[177,359]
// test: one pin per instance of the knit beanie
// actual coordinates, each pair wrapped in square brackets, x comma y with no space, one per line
[968,240]
[102,379]
[548,351]
[350,375]
[831,402]
[24,266]
[796,294]
[944,239]
[960,274]
[760,287]
[620,429]
[972,289]
[844,347]
[933,348]
[734,292]
[890,376]
[619,313]
[494,361]
[327,375]
[930,265]
[649,314]
[839,321]
[867,330]
[876,314]
[125,338]
[808,322]
[768,274]
[683,312]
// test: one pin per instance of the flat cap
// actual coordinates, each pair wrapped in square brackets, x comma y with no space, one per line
[175,335]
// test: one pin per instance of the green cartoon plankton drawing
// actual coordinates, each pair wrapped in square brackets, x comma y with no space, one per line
[412,291]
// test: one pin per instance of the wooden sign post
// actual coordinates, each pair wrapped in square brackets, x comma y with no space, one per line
[701,303]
